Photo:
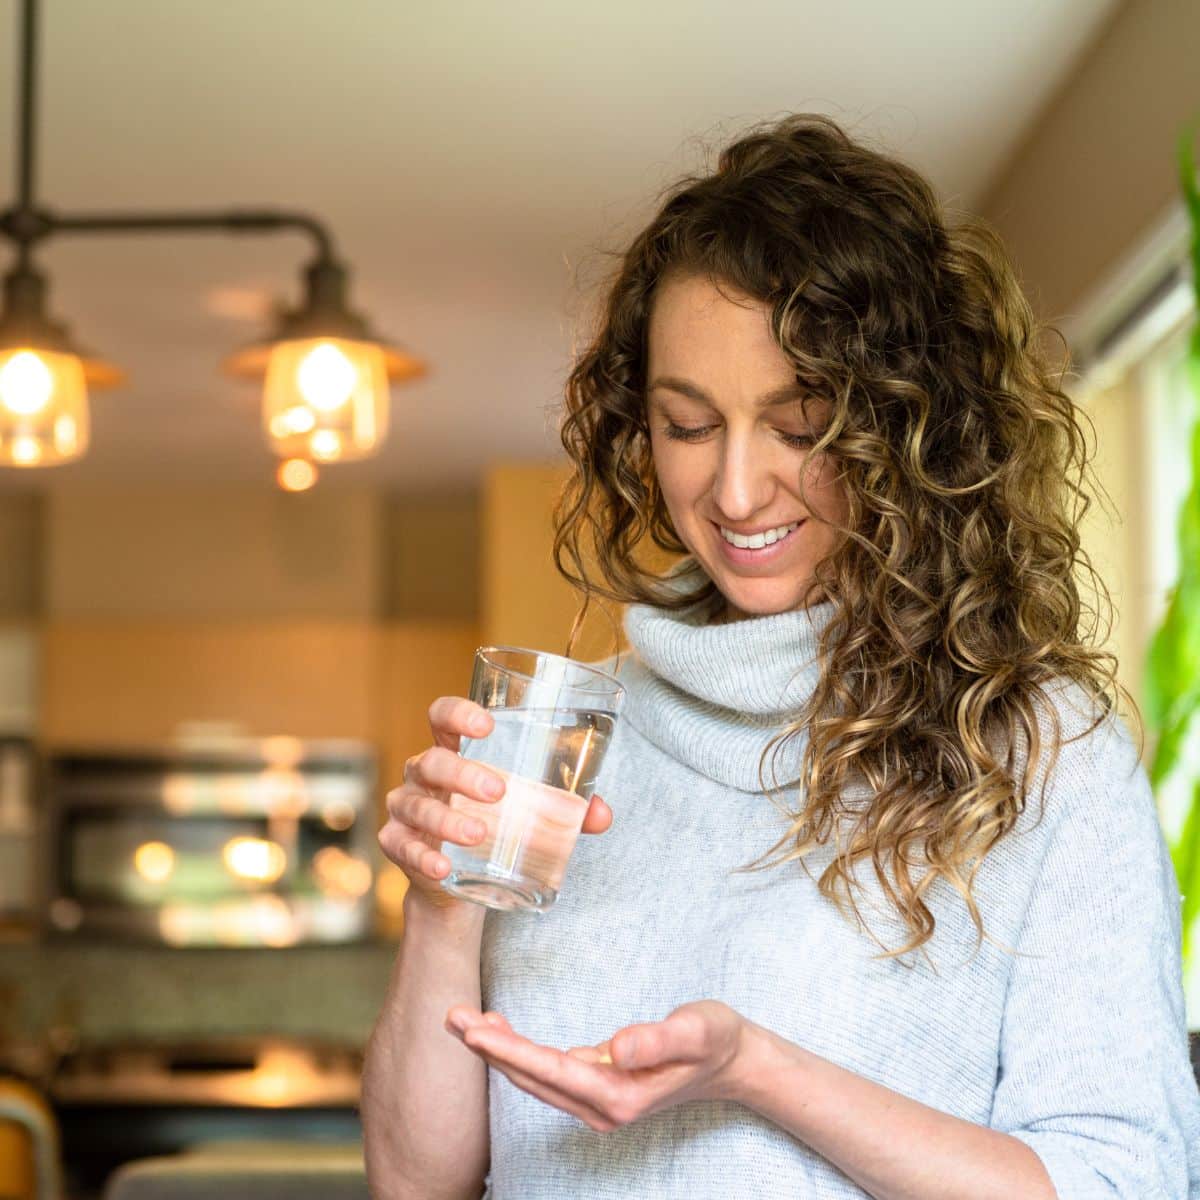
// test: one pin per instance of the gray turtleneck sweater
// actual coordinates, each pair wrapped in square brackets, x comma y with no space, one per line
[1076,1044]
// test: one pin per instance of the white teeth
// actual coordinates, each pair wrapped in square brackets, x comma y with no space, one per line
[757,541]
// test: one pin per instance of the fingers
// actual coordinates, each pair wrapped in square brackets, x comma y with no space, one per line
[551,1076]
[599,1056]
[462,1017]
[420,819]
[439,770]
[587,1113]
[642,1046]
[598,817]
[416,858]
[453,717]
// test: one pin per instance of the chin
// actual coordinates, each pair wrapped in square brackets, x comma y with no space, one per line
[762,598]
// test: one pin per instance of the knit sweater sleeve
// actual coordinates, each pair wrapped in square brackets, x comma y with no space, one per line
[1094,1074]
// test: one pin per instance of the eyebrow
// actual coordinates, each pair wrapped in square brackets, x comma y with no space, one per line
[780,395]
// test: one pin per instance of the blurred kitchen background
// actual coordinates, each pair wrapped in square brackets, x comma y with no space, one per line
[207,680]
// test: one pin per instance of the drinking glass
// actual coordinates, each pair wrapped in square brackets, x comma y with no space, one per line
[554,719]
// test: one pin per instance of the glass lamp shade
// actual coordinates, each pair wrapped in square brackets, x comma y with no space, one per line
[325,399]
[43,408]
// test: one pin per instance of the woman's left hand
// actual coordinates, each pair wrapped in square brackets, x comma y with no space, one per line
[641,1069]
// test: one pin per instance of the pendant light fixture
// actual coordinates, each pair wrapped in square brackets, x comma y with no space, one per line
[44,379]
[325,372]
[326,375]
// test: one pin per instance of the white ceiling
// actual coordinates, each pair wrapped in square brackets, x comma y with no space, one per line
[478,162]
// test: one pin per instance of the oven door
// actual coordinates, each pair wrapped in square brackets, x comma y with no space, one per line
[213,852]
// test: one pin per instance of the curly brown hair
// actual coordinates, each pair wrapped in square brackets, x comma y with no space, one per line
[956,580]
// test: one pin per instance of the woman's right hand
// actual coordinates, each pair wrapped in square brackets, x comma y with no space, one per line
[420,818]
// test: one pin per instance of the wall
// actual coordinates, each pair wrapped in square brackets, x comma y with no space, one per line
[1113,532]
[21,538]
[525,601]
[1097,170]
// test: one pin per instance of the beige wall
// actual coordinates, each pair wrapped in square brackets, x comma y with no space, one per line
[21,539]
[1097,171]
[211,554]
[525,602]
[430,560]
[116,682]
[1114,532]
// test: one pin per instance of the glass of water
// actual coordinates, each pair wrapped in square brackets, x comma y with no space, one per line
[554,719]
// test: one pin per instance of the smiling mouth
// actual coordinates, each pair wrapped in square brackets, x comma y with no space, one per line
[758,541]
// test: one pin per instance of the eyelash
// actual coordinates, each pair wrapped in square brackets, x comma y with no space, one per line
[685,433]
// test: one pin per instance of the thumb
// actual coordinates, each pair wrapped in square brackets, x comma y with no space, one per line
[598,818]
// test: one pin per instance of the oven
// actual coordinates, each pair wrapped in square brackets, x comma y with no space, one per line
[269,842]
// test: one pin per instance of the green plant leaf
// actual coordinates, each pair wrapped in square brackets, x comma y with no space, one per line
[1185,855]
[1173,661]
[1167,752]
[1172,680]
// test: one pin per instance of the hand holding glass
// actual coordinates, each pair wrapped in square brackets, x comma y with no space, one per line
[554,718]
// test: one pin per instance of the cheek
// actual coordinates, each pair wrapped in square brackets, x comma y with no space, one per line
[825,491]
[678,478]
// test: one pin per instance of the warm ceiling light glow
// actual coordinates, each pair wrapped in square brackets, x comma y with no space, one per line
[254,859]
[326,377]
[154,862]
[325,398]
[65,435]
[43,408]
[296,475]
[325,445]
[293,420]
[26,384]
[25,450]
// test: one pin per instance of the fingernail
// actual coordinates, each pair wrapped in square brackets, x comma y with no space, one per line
[494,788]
[629,1049]
[479,724]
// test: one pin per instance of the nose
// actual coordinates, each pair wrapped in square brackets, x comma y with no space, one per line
[743,483]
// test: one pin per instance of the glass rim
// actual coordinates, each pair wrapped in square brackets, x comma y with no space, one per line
[615,687]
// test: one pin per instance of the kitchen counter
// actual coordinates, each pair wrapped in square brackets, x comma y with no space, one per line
[106,992]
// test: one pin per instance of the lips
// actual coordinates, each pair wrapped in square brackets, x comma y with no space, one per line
[745,556]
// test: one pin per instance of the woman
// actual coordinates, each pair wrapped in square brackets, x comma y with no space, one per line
[959,974]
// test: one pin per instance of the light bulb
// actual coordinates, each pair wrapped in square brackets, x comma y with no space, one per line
[326,377]
[325,444]
[43,407]
[26,451]
[26,384]
[325,399]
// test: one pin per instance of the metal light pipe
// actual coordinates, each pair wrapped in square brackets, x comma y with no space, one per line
[26,224]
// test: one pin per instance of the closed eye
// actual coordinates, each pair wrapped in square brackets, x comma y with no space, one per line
[686,433]
[695,433]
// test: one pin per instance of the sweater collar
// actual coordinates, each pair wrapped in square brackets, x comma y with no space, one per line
[713,696]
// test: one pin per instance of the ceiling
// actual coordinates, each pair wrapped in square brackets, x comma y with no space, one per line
[479,164]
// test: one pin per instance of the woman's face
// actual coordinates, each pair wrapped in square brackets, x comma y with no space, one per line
[729,435]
